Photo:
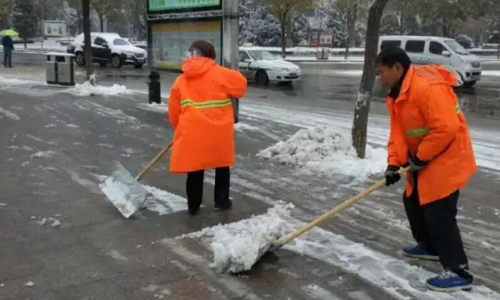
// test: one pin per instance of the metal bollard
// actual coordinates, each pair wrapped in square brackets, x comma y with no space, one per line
[236,110]
[154,87]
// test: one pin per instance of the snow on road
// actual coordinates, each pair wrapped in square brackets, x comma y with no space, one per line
[235,245]
[9,114]
[163,202]
[486,142]
[86,89]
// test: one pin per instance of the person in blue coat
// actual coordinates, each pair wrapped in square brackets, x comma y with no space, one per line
[8,47]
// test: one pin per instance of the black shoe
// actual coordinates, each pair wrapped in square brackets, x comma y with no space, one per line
[193,211]
[224,206]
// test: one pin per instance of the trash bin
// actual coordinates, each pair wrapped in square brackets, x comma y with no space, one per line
[154,85]
[60,68]
[322,54]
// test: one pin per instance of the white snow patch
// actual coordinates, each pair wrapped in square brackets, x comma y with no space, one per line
[55,223]
[362,100]
[15,81]
[50,126]
[237,246]
[43,154]
[491,73]
[317,292]
[3,204]
[163,202]
[327,150]
[154,107]
[24,164]
[9,114]
[42,222]
[117,255]
[72,126]
[242,127]
[30,283]
[86,89]
[2,285]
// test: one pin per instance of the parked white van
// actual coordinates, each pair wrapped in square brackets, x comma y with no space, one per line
[438,50]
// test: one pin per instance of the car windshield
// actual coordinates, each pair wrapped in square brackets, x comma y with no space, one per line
[120,42]
[456,47]
[261,55]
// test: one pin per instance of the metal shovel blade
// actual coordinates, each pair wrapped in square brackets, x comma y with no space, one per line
[123,190]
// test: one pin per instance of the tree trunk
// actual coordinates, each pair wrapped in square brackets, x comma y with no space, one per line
[289,31]
[87,41]
[101,22]
[25,43]
[360,124]
[498,40]
[353,17]
[283,37]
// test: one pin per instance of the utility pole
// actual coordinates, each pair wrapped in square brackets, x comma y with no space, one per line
[87,41]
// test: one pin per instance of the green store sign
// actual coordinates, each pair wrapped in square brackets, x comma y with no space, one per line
[159,5]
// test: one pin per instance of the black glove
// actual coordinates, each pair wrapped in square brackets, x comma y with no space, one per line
[391,175]
[416,164]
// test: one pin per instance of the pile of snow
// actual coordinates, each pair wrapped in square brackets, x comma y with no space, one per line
[238,246]
[327,150]
[87,89]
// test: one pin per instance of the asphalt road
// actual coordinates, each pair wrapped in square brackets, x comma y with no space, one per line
[95,254]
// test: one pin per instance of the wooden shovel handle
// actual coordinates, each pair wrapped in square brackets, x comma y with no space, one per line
[154,161]
[336,210]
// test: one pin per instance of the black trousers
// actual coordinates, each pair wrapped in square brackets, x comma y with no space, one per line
[194,187]
[434,227]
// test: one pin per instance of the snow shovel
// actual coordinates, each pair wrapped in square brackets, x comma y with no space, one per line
[334,211]
[124,191]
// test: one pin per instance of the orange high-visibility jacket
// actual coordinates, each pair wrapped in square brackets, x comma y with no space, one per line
[201,112]
[426,120]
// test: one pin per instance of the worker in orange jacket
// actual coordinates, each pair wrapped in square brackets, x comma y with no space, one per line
[429,132]
[201,112]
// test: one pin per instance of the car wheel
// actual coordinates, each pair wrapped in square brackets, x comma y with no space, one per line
[470,84]
[80,59]
[116,61]
[103,63]
[138,66]
[262,78]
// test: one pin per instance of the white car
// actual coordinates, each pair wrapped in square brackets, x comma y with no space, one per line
[109,48]
[438,50]
[262,67]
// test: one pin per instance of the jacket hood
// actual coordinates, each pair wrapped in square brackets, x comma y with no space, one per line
[197,66]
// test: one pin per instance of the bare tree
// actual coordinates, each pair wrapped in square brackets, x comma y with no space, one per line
[283,10]
[362,109]
[88,41]
[6,8]
[105,9]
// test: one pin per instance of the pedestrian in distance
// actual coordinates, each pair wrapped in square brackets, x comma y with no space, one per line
[8,48]
[430,134]
[201,112]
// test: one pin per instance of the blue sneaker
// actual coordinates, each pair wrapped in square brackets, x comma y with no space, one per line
[449,282]
[419,252]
